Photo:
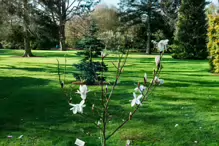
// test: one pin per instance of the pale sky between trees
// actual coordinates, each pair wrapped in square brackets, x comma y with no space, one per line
[111,2]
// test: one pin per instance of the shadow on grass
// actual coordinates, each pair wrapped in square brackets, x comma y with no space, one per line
[46,53]
[191,82]
[40,68]
[29,100]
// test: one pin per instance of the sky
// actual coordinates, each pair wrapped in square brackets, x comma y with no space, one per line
[215,1]
[110,2]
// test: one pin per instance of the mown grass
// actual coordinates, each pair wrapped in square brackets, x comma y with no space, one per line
[33,105]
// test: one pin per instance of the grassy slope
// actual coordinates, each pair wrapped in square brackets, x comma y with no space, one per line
[31,103]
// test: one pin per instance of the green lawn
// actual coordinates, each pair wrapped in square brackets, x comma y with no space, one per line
[33,105]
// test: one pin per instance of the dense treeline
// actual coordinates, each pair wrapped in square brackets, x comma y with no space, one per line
[63,24]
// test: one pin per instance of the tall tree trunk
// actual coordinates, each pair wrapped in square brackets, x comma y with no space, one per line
[148,49]
[27,52]
[62,36]
[62,22]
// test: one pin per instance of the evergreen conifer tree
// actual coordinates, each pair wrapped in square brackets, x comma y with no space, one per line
[89,70]
[191,32]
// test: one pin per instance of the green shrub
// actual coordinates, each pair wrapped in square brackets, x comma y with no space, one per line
[213,42]
[89,72]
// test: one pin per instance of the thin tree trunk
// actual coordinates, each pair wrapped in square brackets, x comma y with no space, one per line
[148,49]
[62,22]
[62,37]
[27,52]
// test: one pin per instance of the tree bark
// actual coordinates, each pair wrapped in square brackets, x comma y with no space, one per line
[62,22]
[148,49]
[27,52]
[62,36]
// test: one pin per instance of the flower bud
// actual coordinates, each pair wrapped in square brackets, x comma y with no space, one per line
[118,81]
[157,61]
[62,84]
[154,72]
[70,100]
[93,107]
[106,88]
[130,116]
[156,80]
[145,78]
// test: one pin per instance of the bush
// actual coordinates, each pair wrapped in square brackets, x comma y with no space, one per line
[213,42]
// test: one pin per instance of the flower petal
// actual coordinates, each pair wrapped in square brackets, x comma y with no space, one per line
[82,102]
[80,109]
[72,104]
[83,96]
[139,97]
[134,95]
[138,102]
[133,102]
[79,142]
[75,110]
[136,89]
[161,81]
[78,92]
[142,88]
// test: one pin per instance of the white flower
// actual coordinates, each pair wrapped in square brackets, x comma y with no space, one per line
[161,81]
[141,88]
[77,108]
[79,142]
[195,141]
[83,90]
[176,125]
[103,53]
[93,107]
[98,123]
[136,100]
[128,142]
[162,45]
[158,81]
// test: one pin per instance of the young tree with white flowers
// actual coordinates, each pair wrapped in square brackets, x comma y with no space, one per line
[140,96]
